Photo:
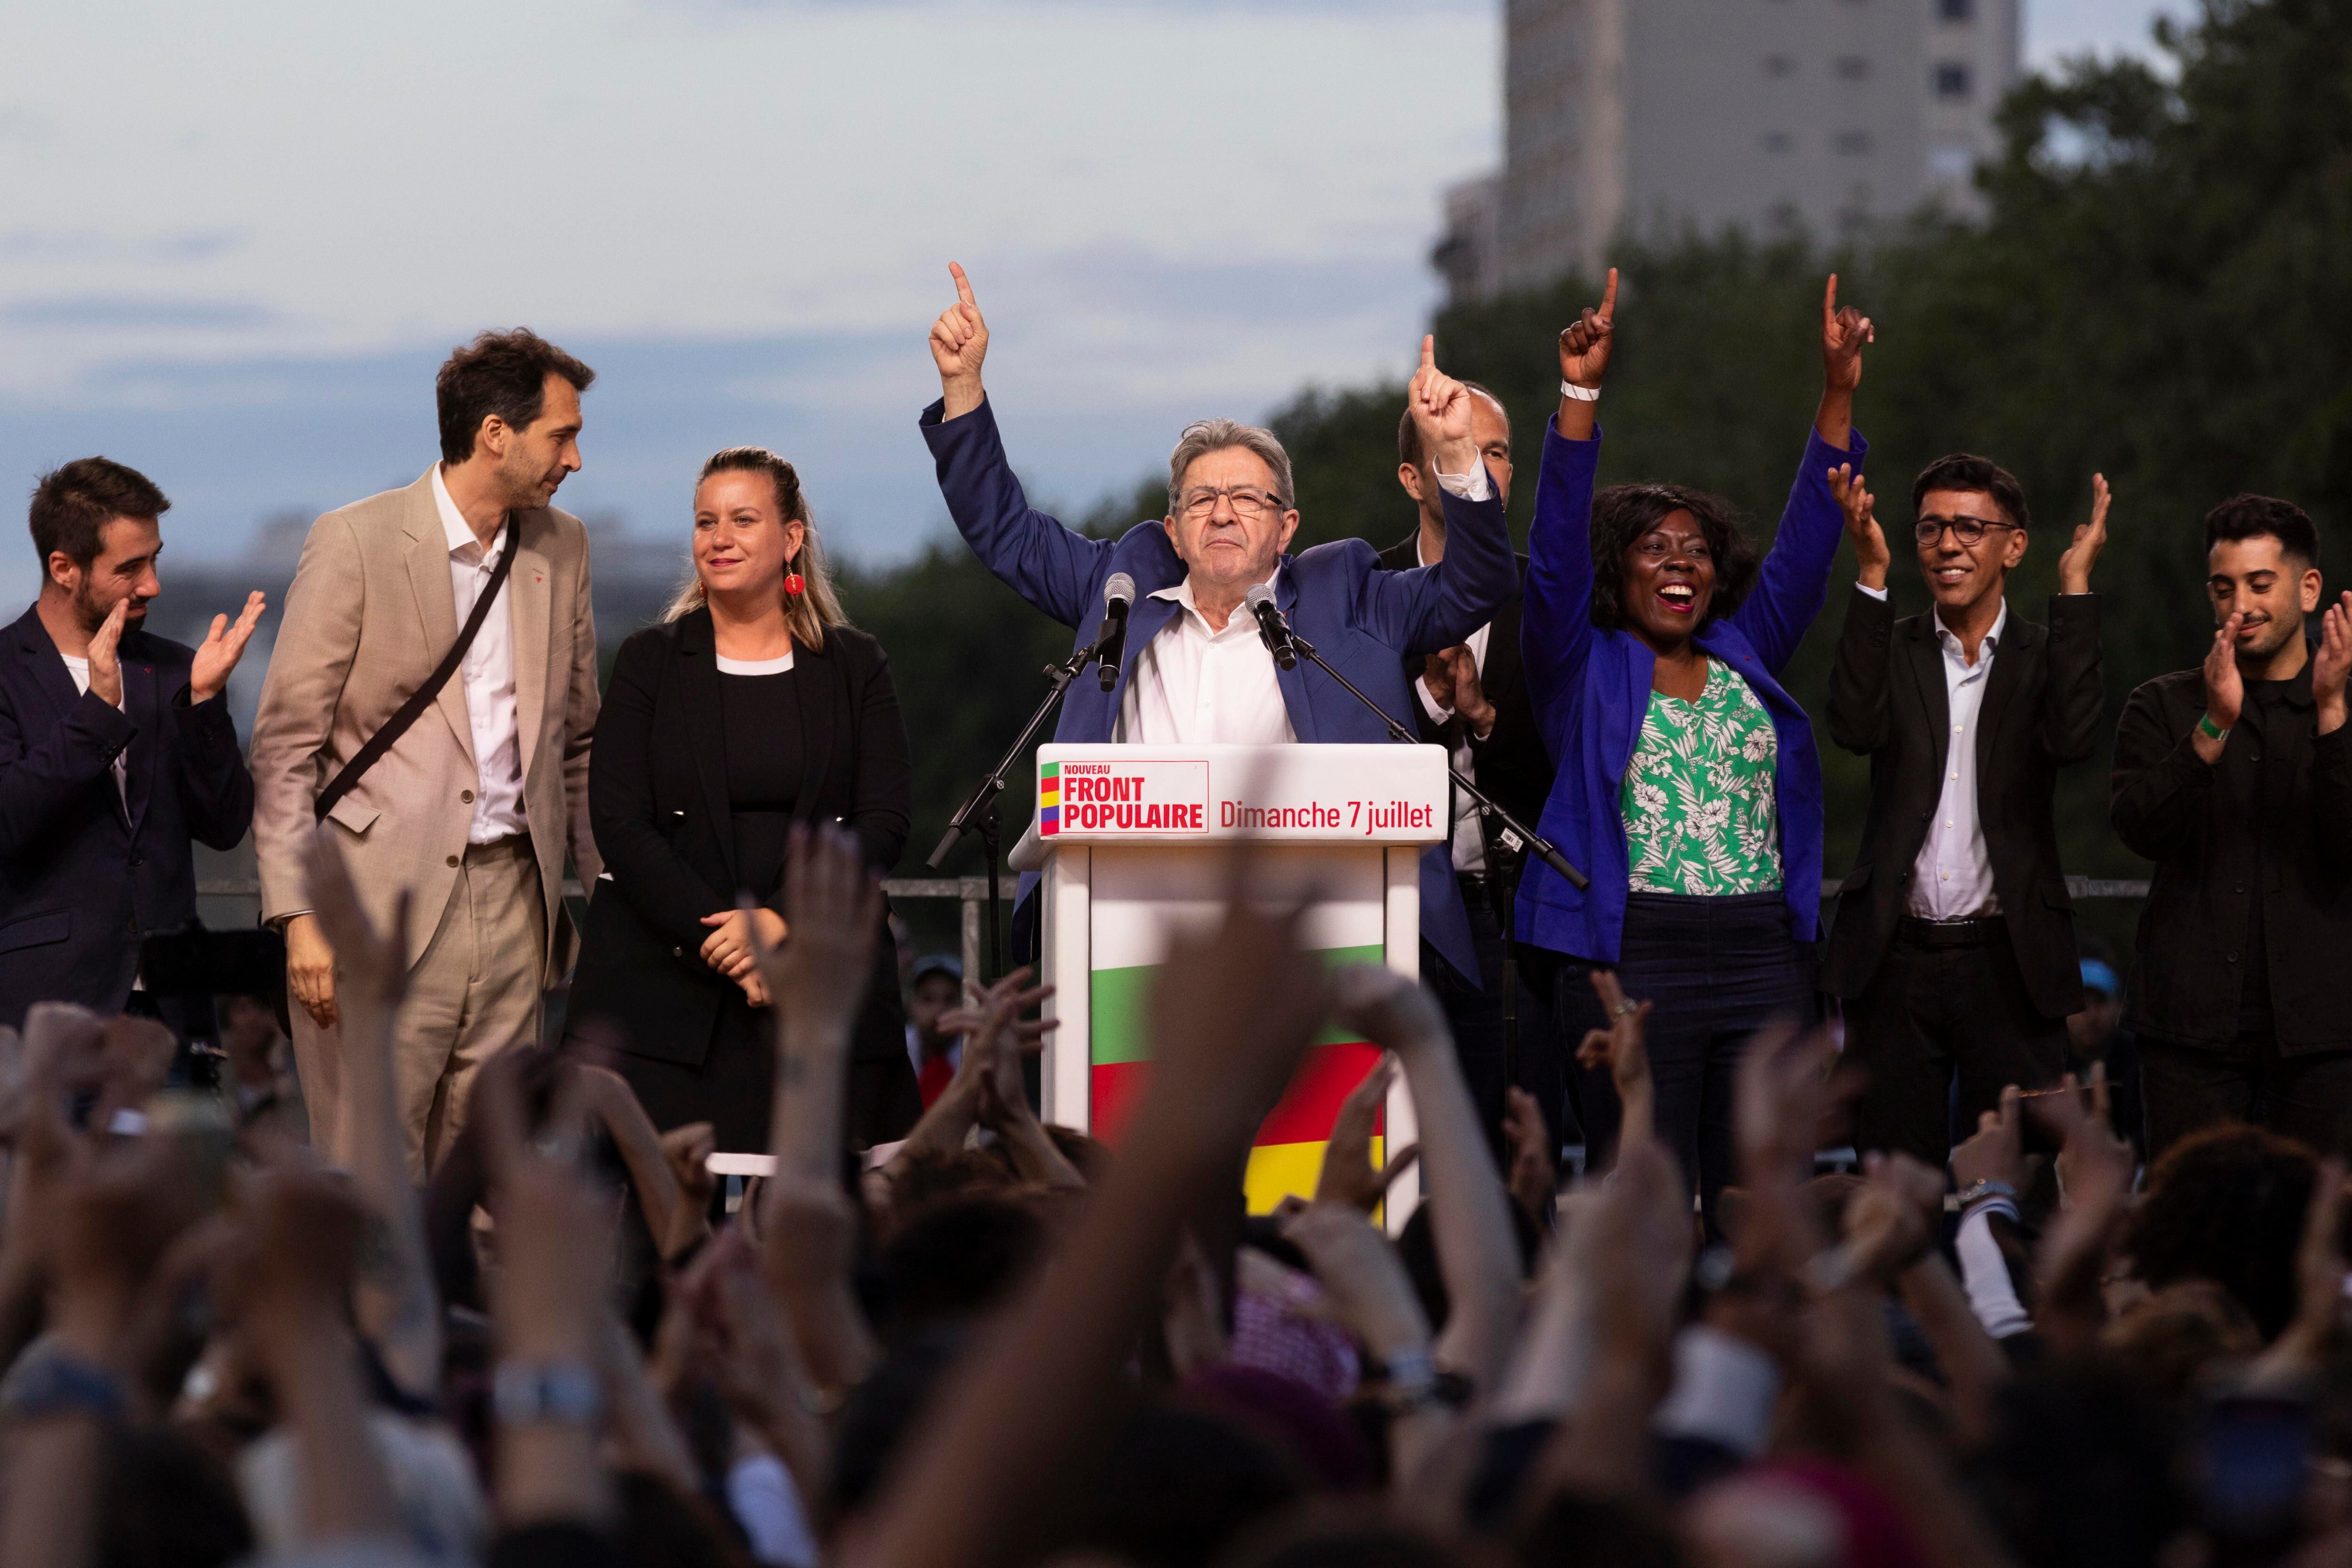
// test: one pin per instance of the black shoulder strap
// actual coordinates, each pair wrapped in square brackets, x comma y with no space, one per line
[383,739]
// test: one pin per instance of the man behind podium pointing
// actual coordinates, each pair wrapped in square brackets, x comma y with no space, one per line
[1197,671]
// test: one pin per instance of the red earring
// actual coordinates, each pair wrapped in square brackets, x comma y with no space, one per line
[793,584]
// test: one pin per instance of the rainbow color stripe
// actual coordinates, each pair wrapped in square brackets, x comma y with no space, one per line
[1287,1156]
[1049,799]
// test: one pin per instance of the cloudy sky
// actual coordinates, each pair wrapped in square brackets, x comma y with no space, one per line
[235,239]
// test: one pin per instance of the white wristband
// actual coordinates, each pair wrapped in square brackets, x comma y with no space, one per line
[1580,394]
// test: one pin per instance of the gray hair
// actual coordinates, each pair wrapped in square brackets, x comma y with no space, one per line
[1204,436]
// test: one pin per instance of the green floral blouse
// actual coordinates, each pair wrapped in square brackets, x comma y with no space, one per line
[1701,812]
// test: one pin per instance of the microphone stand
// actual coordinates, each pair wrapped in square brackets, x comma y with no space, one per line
[1541,847]
[978,814]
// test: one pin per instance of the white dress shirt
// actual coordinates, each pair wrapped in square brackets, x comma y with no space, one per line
[1952,878]
[79,670]
[1469,846]
[487,676]
[1193,686]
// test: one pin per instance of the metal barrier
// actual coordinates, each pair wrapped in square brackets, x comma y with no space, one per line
[972,891]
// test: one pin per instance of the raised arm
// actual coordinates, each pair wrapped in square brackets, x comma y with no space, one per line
[1055,570]
[2073,699]
[1556,622]
[1858,677]
[1796,574]
[1434,607]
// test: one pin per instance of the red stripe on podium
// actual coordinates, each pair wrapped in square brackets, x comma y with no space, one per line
[1304,1115]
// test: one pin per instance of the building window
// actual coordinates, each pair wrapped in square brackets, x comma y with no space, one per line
[1780,65]
[1957,10]
[1778,141]
[1850,143]
[1852,67]
[1951,79]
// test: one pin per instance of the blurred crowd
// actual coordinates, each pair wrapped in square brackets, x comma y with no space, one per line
[999,1343]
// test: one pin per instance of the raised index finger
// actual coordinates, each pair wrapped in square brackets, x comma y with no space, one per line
[1429,351]
[1829,302]
[964,284]
[1609,297]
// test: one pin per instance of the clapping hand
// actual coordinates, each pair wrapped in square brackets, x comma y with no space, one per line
[222,648]
[1870,552]
[959,344]
[1588,341]
[105,667]
[2331,663]
[1441,413]
[1844,330]
[2074,566]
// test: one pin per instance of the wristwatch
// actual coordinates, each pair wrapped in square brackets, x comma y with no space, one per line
[1976,1192]
[524,1392]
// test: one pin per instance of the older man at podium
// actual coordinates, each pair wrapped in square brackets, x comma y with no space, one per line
[1198,670]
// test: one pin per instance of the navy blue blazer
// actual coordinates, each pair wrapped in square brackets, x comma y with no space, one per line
[1363,619]
[83,876]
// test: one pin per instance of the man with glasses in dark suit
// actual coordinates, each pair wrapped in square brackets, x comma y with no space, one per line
[1954,941]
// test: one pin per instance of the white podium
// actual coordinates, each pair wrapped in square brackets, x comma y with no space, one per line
[1131,841]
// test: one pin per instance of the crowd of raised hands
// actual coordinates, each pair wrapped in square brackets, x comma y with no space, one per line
[1002,1342]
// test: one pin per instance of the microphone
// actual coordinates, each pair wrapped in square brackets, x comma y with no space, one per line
[1271,626]
[1119,597]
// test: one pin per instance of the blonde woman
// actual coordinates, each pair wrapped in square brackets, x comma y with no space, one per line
[754,705]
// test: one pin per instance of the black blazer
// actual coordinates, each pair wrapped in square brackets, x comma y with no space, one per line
[657,800]
[1510,764]
[82,878]
[2041,711]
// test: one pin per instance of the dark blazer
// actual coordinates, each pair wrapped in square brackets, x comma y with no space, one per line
[657,798]
[2277,804]
[2041,711]
[1511,763]
[82,879]
[1363,620]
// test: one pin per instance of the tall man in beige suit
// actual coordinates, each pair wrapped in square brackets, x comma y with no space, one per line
[473,807]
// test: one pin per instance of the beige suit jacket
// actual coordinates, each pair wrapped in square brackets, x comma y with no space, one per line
[370,614]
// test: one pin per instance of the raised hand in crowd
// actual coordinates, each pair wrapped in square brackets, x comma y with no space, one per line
[1622,1048]
[1453,679]
[2090,539]
[397,1304]
[223,646]
[1995,1151]
[1477,1253]
[988,1089]
[2330,663]
[959,344]
[1585,346]
[2095,1178]
[1348,1175]
[1871,555]
[1365,1284]
[1231,1017]
[1844,331]
[1532,1173]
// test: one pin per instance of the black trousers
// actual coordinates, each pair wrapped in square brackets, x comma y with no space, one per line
[1941,1029]
[1714,971]
[1495,1055]
[2188,1087]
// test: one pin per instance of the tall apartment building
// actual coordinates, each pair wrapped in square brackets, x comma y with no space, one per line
[1656,116]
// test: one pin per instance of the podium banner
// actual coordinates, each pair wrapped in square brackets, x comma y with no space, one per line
[1131,834]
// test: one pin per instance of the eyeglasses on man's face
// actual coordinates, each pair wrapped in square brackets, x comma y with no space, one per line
[1249,502]
[1966,530]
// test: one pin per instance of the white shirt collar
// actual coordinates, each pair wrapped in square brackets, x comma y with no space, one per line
[1181,593]
[1951,644]
[454,526]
